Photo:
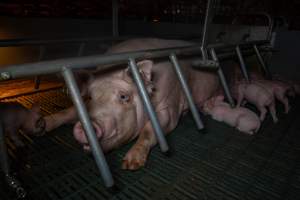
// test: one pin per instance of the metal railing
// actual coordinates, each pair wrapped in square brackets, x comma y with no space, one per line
[65,66]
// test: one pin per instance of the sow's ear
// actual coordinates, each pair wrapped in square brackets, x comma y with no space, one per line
[82,78]
[145,69]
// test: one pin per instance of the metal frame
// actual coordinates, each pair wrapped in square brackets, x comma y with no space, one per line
[205,28]
[187,91]
[222,78]
[262,62]
[87,125]
[65,66]
[242,63]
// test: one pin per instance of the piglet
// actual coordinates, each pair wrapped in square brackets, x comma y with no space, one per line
[259,96]
[15,117]
[242,118]
[279,89]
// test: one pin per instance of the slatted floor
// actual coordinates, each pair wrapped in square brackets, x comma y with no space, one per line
[221,164]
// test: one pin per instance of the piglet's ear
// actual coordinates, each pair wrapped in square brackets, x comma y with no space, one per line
[36,107]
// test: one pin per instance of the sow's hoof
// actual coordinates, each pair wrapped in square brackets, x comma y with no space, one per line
[134,159]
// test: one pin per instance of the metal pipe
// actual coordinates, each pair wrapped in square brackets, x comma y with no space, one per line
[37,79]
[81,49]
[242,63]
[53,66]
[115,18]
[187,91]
[270,26]
[269,18]
[33,42]
[89,130]
[262,63]
[222,78]
[205,28]
[146,100]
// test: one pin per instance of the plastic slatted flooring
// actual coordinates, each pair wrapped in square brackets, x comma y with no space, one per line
[221,164]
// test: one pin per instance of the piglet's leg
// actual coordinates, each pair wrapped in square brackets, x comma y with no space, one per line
[283,99]
[273,112]
[136,157]
[263,112]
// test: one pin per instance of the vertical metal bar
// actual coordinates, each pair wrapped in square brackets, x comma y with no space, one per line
[205,28]
[222,78]
[3,151]
[187,91]
[115,18]
[81,49]
[262,63]
[242,63]
[37,79]
[146,100]
[89,131]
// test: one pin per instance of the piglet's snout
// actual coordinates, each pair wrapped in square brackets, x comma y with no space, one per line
[80,135]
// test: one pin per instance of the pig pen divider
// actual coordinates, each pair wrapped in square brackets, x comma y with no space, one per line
[66,66]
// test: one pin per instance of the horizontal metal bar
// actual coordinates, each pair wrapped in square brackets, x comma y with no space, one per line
[54,66]
[247,44]
[36,41]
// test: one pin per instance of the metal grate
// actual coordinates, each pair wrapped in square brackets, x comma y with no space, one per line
[222,164]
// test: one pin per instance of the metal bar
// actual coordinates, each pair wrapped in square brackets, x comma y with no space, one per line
[262,63]
[115,18]
[270,26]
[205,28]
[81,49]
[37,41]
[53,66]
[3,151]
[242,63]
[187,91]
[146,100]
[89,130]
[37,79]
[222,79]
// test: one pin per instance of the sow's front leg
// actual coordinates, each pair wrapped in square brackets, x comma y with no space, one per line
[136,157]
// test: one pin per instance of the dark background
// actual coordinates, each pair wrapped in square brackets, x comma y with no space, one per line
[191,11]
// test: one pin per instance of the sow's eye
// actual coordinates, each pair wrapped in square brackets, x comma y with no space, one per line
[124,98]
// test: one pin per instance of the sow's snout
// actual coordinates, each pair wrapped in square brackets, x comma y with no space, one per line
[81,137]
